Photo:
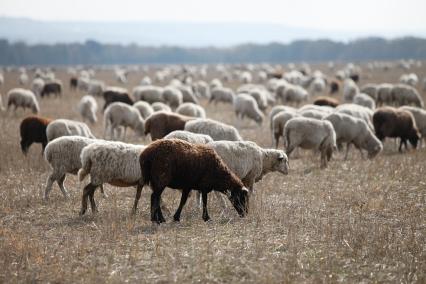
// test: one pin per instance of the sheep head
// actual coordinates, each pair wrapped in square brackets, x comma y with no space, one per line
[239,198]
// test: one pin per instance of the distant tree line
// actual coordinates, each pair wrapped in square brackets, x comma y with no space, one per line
[92,52]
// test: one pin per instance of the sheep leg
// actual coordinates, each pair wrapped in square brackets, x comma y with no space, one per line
[156,214]
[348,146]
[206,216]
[138,196]
[183,199]
[323,159]
[103,191]
[60,182]
[49,184]
[86,191]
[277,140]
[124,134]
[92,199]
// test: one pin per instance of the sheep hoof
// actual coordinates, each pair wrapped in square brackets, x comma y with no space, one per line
[176,219]
[82,211]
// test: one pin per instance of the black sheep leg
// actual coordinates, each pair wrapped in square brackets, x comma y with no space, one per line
[138,196]
[156,214]
[206,216]
[92,199]
[86,191]
[183,199]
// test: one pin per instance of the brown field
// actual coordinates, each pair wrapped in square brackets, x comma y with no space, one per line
[356,221]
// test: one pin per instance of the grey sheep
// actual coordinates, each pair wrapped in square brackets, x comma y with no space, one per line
[119,115]
[189,137]
[246,106]
[191,109]
[215,129]
[22,98]
[65,127]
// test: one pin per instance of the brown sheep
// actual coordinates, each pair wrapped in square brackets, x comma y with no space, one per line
[181,165]
[392,122]
[114,94]
[33,130]
[326,101]
[161,123]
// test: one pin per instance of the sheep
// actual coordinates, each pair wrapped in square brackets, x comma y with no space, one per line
[119,115]
[409,79]
[23,78]
[352,130]
[37,86]
[110,162]
[189,137]
[202,89]
[384,94]
[63,156]
[215,83]
[278,123]
[116,94]
[215,129]
[246,77]
[364,100]
[357,111]
[146,81]
[144,108]
[391,122]
[295,94]
[1,104]
[318,85]
[221,94]
[96,88]
[172,96]
[162,123]
[309,133]
[168,162]
[51,88]
[191,109]
[246,105]
[87,108]
[350,89]
[187,94]
[159,106]
[33,130]
[261,97]
[66,127]
[313,113]
[22,98]
[73,83]
[249,162]
[334,87]
[419,115]
[371,90]
[326,101]
[277,109]
[406,95]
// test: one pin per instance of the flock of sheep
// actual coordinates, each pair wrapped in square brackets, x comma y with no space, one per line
[192,152]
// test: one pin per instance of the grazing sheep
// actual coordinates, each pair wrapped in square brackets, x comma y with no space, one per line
[278,123]
[350,89]
[277,109]
[168,162]
[355,131]
[159,106]
[22,98]
[309,133]
[249,162]
[384,94]
[96,88]
[295,94]
[420,118]
[246,105]
[364,100]
[116,94]
[357,111]
[63,156]
[202,89]
[391,122]
[188,95]
[221,94]
[371,90]
[191,109]
[406,95]
[51,88]
[162,123]
[189,137]
[172,96]
[87,108]
[144,108]
[110,162]
[65,127]
[215,129]
[326,101]
[37,86]
[33,130]
[119,115]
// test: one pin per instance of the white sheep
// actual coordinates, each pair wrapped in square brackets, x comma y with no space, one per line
[309,133]
[215,129]
[159,106]
[37,86]
[65,127]
[150,94]
[352,130]
[215,83]
[144,108]
[110,162]
[188,95]
[119,115]
[406,95]
[246,77]
[222,94]
[384,94]
[246,105]
[371,90]
[278,123]
[63,156]
[146,81]
[420,118]
[295,94]
[191,109]
[277,109]
[357,111]
[364,100]
[350,89]
[202,89]
[23,78]
[22,98]
[189,137]
[87,108]
[96,88]
[172,96]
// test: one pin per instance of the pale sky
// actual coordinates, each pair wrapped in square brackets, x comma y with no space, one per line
[358,15]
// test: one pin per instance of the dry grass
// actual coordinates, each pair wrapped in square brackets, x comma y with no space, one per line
[357,221]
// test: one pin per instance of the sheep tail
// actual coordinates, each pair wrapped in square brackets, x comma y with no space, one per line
[145,163]
[85,168]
